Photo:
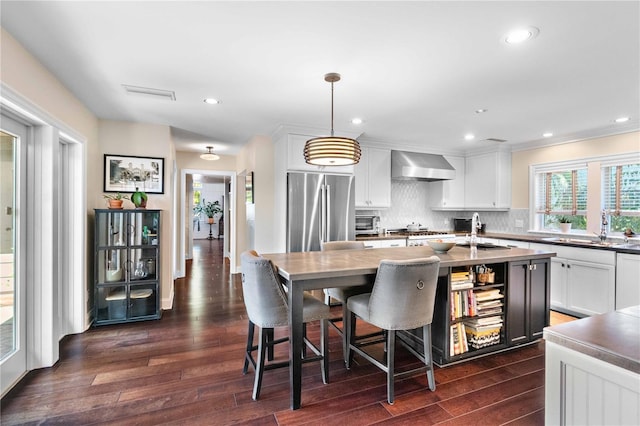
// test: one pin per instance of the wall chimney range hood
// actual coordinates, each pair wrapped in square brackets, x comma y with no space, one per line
[419,166]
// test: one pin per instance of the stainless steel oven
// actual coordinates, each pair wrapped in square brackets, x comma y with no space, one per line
[367,225]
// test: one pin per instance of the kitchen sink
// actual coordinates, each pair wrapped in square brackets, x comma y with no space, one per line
[485,246]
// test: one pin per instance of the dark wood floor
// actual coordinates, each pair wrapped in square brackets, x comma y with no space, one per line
[186,369]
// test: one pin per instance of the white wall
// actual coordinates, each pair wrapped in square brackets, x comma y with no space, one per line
[146,140]
[521,160]
[257,156]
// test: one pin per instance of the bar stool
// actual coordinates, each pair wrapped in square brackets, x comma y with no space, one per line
[266,304]
[403,298]
[342,294]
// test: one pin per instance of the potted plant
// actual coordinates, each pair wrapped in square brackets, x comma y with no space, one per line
[139,199]
[565,224]
[208,208]
[115,200]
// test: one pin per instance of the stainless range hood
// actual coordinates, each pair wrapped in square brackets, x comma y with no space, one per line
[419,166]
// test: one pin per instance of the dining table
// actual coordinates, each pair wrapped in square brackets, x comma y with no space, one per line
[305,271]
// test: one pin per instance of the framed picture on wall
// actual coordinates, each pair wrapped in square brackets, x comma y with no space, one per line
[124,173]
[248,187]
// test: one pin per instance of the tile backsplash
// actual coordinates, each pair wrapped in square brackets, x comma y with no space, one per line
[410,203]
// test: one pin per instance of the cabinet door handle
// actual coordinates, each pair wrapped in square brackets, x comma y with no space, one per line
[568,266]
[562,265]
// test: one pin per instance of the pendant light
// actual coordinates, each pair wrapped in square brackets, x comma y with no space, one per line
[209,155]
[332,150]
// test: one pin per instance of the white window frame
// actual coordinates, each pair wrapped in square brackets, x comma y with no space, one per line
[594,181]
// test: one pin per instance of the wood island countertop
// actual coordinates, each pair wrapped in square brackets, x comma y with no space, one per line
[314,265]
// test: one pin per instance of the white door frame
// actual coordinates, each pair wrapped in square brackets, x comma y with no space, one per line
[47,321]
[183,216]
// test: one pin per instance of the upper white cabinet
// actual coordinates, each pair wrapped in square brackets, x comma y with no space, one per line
[295,157]
[488,181]
[449,194]
[373,179]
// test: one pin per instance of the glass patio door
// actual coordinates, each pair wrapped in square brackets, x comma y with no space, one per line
[12,285]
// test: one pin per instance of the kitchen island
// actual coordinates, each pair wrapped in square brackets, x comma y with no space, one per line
[518,273]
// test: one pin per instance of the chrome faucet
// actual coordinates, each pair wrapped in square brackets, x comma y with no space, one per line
[603,226]
[475,226]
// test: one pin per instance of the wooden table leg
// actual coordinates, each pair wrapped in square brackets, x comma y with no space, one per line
[295,295]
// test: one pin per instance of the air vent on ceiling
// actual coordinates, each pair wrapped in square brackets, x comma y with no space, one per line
[494,140]
[148,92]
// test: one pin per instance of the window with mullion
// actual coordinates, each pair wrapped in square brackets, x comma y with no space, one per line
[621,196]
[561,194]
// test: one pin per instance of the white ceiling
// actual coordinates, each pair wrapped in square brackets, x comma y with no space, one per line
[415,72]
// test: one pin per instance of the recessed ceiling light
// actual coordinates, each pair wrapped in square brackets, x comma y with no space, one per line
[547,135]
[211,101]
[469,137]
[356,121]
[622,119]
[481,110]
[521,35]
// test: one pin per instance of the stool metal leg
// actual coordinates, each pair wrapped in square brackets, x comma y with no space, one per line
[391,349]
[247,354]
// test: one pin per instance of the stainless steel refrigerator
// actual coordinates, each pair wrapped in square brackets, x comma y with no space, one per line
[320,207]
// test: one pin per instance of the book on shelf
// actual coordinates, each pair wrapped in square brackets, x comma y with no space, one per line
[496,319]
[484,295]
[460,276]
[461,285]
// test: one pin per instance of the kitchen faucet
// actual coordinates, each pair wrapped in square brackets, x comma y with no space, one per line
[603,227]
[475,226]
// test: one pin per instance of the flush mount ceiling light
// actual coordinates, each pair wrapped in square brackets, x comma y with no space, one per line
[211,101]
[356,121]
[621,119]
[547,135]
[521,35]
[469,137]
[481,110]
[332,150]
[209,155]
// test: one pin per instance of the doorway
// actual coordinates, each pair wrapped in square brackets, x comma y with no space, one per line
[208,186]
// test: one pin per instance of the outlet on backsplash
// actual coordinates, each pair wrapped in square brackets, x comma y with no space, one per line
[519,223]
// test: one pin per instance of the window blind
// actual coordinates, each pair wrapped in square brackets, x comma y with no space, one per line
[562,192]
[621,189]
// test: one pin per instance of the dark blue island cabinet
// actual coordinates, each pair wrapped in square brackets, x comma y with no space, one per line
[126,272]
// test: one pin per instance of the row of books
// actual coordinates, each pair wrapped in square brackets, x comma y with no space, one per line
[469,303]
[474,333]
[458,342]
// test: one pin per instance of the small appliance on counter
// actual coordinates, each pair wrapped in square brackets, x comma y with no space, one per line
[367,225]
[464,225]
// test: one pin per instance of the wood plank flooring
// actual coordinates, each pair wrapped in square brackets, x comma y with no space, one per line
[185,369]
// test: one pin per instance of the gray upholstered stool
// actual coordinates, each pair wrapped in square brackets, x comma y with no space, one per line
[403,298]
[266,303]
[342,294]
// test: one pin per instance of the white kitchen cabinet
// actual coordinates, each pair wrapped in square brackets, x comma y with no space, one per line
[627,280]
[400,242]
[449,194]
[488,181]
[373,179]
[583,281]
[295,157]
[397,242]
